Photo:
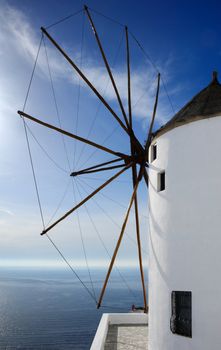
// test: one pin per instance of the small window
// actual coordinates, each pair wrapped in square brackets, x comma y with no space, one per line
[161,181]
[153,152]
[181,318]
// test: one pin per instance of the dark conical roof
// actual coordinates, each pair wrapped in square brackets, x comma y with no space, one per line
[206,104]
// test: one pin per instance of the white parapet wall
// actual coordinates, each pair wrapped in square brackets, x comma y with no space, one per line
[110,319]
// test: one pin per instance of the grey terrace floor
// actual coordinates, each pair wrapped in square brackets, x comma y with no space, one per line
[126,337]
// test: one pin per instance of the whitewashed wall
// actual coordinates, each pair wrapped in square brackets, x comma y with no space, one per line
[185,239]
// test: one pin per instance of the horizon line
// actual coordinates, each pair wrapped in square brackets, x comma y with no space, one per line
[60,264]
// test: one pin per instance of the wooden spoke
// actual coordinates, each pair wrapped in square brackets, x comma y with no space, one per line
[134,176]
[117,245]
[97,170]
[128,78]
[96,166]
[106,64]
[76,137]
[128,131]
[154,114]
[138,153]
[85,79]
[87,198]
[139,246]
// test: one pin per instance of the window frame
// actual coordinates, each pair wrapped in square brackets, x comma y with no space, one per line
[181,313]
[153,152]
[159,181]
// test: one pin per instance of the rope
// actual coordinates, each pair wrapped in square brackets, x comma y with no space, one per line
[108,197]
[68,161]
[56,105]
[83,244]
[111,219]
[27,127]
[103,244]
[74,272]
[79,88]
[155,67]
[60,203]
[34,176]
[144,52]
[32,165]
[100,104]
[32,74]
[80,280]
[26,134]
[35,180]
[45,152]
[64,19]
[107,17]
[165,88]
[85,176]
[102,143]
[104,195]
[141,96]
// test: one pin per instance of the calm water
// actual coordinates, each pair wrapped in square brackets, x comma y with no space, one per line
[50,309]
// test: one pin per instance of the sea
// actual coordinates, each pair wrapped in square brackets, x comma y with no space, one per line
[51,309]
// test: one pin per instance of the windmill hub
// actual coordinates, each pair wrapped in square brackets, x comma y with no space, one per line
[140,158]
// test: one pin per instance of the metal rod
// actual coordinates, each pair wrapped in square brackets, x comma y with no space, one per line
[67,133]
[117,246]
[85,79]
[86,199]
[97,170]
[128,78]
[96,166]
[106,64]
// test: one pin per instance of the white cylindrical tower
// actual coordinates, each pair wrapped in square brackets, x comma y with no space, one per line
[185,227]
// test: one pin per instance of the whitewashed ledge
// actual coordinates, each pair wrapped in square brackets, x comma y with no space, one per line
[130,319]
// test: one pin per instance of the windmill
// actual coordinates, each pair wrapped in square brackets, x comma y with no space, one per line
[136,161]
[184,240]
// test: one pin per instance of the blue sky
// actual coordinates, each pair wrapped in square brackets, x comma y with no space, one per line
[183,40]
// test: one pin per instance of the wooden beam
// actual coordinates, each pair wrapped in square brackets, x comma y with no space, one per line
[106,64]
[128,78]
[134,171]
[134,176]
[76,137]
[117,245]
[128,131]
[75,173]
[97,170]
[86,199]
[85,79]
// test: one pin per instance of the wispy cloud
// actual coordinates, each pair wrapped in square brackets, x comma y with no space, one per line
[23,40]
[6,211]
[20,33]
